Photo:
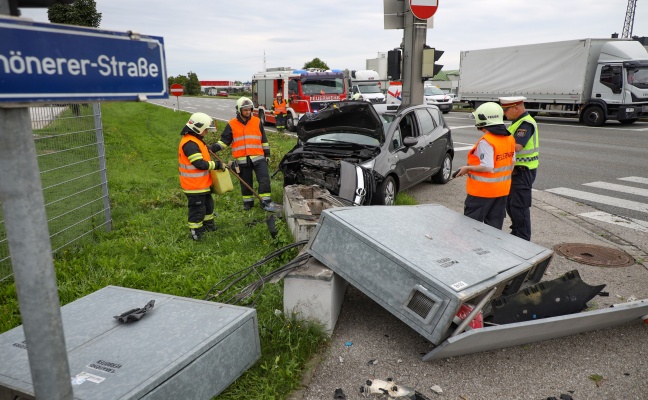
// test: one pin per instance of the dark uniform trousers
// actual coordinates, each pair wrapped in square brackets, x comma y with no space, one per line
[200,205]
[489,210]
[260,169]
[518,203]
[280,121]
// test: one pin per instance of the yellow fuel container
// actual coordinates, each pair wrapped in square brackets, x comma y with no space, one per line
[221,181]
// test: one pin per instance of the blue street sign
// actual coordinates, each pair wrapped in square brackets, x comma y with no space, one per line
[44,63]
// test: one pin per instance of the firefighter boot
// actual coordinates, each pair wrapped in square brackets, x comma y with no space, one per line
[247,205]
[197,233]
[210,226]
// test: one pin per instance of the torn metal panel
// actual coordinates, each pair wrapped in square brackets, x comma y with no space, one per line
[498,337]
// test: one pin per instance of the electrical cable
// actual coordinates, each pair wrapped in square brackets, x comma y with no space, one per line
[248,270]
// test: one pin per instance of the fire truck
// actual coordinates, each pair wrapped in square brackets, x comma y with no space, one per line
[309,90]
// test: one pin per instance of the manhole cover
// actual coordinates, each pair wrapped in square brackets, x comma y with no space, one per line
[591,254]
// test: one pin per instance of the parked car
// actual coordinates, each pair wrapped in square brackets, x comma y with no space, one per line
[366,156]
[432,95]
[222,93]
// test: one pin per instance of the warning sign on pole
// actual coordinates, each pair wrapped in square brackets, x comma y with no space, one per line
[424,9]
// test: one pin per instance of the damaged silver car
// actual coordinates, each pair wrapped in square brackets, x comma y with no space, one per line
[366,156]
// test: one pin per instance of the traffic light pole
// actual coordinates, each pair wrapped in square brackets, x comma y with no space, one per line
[414,36]
[23,207]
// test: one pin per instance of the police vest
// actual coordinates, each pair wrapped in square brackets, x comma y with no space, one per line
[192,179]
[528,156]
[246,139]
[280,108]
[496,183]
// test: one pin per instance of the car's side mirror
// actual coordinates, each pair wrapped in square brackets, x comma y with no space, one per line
[410,141]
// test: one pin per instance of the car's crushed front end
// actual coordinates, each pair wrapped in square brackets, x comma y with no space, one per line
[335,150]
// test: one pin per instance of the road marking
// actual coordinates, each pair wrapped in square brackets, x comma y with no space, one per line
[636,179]
[619,188]
[597,198]
[463,148]
[461,127]
[626,222]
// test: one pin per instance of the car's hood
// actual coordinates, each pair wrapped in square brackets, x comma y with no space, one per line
[342,116]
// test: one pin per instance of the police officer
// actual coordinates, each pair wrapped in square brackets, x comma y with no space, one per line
[250,150]
[280,109]
[490,163]
[194,164]
[525,131]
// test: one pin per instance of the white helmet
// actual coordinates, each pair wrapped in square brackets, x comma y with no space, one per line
[488,114]
[198,122]
[243,103]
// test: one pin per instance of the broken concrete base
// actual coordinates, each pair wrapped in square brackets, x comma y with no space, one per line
[311,292]
[315,293]
[304,201]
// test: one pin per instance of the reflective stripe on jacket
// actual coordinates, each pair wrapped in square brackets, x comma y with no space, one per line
[192,179]
[496,183]
[529,154]
[246,139]
[280,108]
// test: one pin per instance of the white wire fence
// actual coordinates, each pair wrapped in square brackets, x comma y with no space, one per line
[72,162]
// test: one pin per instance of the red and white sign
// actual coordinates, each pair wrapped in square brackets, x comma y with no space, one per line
[176,89]
[424,9]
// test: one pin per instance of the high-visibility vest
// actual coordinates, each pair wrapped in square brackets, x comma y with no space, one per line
[280,108]
[192,179]
[498,182]
[246,139]
[528,156]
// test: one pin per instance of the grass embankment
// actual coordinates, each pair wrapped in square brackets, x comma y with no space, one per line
[149,246]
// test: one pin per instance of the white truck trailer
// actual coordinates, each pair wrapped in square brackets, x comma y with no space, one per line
[594,79]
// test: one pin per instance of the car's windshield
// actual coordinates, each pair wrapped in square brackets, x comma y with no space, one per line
[344,137]
[369,88]
[323,86]
[433,91]
[386,121]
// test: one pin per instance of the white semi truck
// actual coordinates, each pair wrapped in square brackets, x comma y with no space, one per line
[594,79]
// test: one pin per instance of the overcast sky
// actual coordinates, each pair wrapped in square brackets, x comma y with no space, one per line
[231,40]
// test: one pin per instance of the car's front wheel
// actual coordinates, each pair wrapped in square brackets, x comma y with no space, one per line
[443,175]
[290,123]
[386,193]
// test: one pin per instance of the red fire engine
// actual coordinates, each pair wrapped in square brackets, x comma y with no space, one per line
[308,90]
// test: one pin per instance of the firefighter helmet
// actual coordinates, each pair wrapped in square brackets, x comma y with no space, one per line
[279,94]
[243,103]
[198,122]
[488,114]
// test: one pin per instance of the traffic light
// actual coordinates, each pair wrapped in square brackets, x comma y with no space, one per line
[430,57]
[394,64]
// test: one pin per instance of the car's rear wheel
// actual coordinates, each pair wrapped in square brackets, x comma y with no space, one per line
[443,175]
[386,192]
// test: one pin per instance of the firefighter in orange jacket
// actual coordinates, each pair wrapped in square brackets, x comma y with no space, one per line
[490,164]
[251,152]
[194,164]
[280,108]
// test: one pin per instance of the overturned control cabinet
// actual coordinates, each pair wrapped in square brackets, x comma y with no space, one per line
[181,349]
[426,263]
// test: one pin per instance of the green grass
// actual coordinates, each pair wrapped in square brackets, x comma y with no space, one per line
[149,246]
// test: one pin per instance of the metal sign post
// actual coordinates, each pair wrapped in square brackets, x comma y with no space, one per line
[177,90]
[23,208]
[45,63]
